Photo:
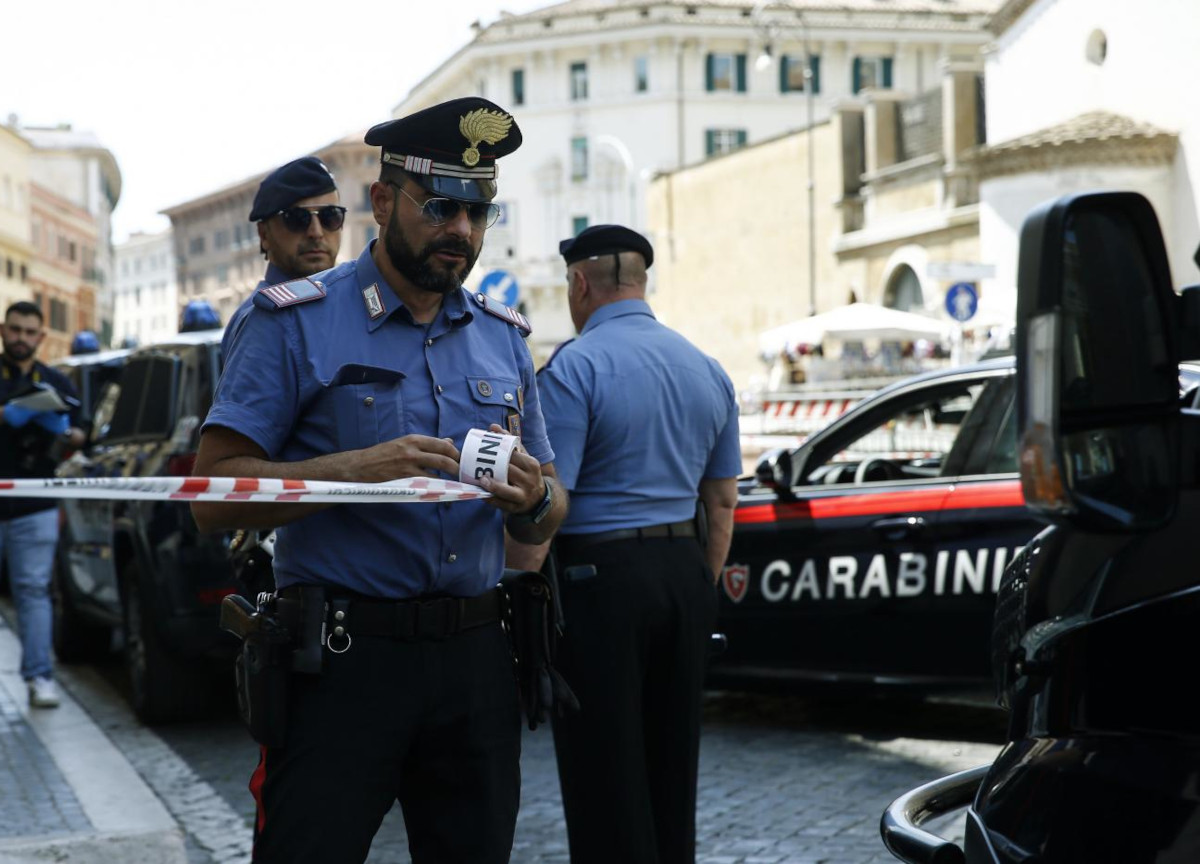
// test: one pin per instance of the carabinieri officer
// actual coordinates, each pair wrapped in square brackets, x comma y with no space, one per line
[372,371]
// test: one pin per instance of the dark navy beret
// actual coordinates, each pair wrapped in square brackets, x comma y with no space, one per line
[302,178]
[450,148]
[605,240]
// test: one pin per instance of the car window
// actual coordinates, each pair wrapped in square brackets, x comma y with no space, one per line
[146,405]
[910,437]
[987,441]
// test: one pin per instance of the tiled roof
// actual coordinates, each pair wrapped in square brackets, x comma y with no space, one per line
[1097,136]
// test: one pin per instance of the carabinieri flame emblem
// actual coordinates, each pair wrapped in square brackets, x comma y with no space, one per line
[482,125]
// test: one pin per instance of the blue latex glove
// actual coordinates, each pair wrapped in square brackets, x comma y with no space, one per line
[16,416]
[52,421]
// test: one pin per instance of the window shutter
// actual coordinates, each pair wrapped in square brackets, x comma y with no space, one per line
[708,72]
[741,72]
[857,74]
[709,142]
[741,137]
[887,71]
[783,73]
[814,64]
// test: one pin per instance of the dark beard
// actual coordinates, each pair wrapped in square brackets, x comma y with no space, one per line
[416,266]
[18,352]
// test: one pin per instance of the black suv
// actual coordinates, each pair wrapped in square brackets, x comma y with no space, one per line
[140,567]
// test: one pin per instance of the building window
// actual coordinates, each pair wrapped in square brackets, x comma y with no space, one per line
[641,74]
[791,73]
[196,246]
[579,159]
[518,86]
[578,224]
[10,267]
[24,272]
[58,315]
[220,240]
[717,141]
[579,82]
[725,73]
[872,72]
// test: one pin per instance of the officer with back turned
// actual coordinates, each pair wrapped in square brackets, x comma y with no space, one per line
[644,426]
[376,372]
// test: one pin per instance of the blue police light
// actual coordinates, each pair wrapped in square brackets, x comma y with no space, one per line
[85,342]
[199,315]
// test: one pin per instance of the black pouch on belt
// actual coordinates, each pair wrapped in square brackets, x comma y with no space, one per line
[261,668]
[532,625]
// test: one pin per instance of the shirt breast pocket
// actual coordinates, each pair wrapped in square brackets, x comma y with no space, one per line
[496,400]
[367,404]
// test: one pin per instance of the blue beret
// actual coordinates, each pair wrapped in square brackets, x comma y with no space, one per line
[605,240]
[283,187]
[450,148]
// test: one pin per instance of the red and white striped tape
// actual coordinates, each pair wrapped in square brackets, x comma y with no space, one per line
[409,490]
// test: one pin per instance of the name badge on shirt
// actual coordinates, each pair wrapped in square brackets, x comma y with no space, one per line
[514,422]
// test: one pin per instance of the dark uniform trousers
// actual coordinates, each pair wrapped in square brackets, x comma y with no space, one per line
[432,724]
[634,651]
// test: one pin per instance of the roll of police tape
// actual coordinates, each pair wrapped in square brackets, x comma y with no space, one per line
[485,454]
[409,490]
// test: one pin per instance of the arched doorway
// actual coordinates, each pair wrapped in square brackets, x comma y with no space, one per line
[904,290]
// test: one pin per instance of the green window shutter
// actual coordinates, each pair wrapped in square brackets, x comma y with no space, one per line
[709,142]
[741,137]
[814,64]
[783,73]
[708,72]
[857,75]
[741,73]
[887,71]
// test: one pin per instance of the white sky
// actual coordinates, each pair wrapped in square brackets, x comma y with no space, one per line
[191,96]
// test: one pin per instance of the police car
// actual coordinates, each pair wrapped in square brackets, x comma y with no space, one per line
[140,568]
[1098,621]
[872,553]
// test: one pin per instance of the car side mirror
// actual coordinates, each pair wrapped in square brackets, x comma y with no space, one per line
[1098,364]
[774,471]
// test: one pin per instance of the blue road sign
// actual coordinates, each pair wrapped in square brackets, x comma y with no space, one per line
[962,302]
[500,285]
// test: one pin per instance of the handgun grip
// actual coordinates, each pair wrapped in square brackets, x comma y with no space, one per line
[237,615]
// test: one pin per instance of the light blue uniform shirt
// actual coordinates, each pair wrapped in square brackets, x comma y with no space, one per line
[273,276]
[637,416]
[324,377]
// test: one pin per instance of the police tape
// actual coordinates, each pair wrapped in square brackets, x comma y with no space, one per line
[409,490]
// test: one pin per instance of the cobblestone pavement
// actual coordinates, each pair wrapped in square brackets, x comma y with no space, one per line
[783,780]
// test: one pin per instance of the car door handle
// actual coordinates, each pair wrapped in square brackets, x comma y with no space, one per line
[898,527]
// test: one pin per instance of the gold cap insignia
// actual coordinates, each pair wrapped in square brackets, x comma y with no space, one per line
[482,125]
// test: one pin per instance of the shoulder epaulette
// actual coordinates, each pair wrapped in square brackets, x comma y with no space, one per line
[289,293]
[560,346]
[506,313]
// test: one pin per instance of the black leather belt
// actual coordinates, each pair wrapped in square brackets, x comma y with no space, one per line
[686,528]
[414,620]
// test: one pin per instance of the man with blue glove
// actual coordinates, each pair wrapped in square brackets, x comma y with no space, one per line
[29,441]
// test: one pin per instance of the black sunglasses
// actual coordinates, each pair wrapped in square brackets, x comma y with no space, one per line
[297,219]
[439,211]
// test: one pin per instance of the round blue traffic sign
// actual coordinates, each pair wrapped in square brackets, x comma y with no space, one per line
[501,286]
[962,302]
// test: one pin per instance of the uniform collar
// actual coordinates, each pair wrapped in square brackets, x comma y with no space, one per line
[616,309]
[275,276]
[454,307]
[12,372]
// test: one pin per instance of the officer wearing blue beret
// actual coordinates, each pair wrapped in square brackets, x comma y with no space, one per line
[299,221]
[375,372]
[644,426]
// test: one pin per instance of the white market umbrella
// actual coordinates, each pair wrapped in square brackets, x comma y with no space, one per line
[854,322]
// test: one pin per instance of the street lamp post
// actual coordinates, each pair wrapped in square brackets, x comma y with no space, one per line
[771,31]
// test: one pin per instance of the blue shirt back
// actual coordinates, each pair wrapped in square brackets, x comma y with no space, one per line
[324,377]
[637,416]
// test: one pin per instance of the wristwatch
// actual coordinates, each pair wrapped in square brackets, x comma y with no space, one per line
[539,511]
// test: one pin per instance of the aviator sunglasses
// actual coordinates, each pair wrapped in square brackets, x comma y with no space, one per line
[297,219]
[438,211]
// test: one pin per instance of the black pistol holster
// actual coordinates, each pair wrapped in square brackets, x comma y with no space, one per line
[533,625]
[279,637]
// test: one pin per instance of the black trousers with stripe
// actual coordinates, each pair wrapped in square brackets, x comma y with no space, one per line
[434,725]
[634,651]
